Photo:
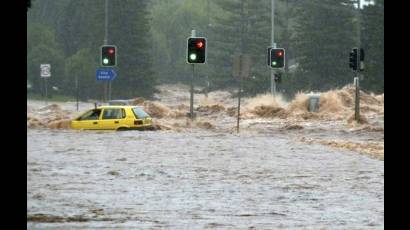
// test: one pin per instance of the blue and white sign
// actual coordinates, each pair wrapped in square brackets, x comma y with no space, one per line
[105,74]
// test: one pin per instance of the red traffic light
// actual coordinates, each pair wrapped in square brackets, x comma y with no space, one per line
[111,51]
[200,44]
[279,53]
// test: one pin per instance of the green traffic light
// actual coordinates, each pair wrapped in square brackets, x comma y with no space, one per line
[274,63]
[105,60]
[192,57]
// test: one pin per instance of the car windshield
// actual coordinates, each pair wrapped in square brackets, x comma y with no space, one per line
[139,113]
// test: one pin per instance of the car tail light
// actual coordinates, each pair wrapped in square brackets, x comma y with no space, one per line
[138,122]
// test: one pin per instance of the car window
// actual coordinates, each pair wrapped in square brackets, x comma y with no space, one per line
[113,114]
[139,113]
[90,115]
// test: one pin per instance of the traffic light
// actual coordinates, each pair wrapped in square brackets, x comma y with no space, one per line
[277,58]
[108,55]
[196,50]
[353,59]
[278,78]
[268,56]
[361,59]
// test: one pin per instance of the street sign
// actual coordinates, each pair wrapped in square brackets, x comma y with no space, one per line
[105,74]
[45,70]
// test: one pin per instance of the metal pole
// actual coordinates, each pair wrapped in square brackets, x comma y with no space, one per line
[207,86]
[191,105]
[272,72]
[357,100]
[207,31]
[77,90]
[45,87]
[106,23]
[105,91]
[240,67]
[109,90]
[105,43]
[239,95]
[357,78]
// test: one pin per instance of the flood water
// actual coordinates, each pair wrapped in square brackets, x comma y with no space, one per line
[197,180]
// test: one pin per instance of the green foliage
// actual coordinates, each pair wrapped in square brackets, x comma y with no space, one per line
[151,40]
[130,33]
[244,27]
[171,25]
[324,36]
[42,48]
[73,36]
[81,66]
[373,44]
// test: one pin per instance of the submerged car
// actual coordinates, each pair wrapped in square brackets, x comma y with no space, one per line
[114,117]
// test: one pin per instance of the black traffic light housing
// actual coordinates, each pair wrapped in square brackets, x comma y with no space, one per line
[356,59]
[108,55]
[361,64]
[277,58]
[353,59]
[278,77]
[268,56]
[196,50]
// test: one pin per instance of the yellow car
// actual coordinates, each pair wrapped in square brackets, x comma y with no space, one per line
[113,117]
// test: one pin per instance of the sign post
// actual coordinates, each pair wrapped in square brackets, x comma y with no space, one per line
[45,72]
[106,75]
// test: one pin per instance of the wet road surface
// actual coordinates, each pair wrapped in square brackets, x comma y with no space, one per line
[197,180]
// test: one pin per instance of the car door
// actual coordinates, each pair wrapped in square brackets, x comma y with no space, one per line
[89,120]
[112,118]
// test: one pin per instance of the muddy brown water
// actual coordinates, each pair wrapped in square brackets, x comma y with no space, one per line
[204,175]
[197,180]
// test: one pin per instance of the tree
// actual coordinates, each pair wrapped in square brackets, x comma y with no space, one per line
[80,29]
[81,67]
[129,30]
[243,28]
[170,32]
[373,44]
[325,33]
[42,48]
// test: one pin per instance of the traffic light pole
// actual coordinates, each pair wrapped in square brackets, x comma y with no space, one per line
[45,89]
[240,67]
[106,85]
[77,90]
[357,99]
[358,62]
[272,72]
[191,104]
[239,94]
[191,99]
